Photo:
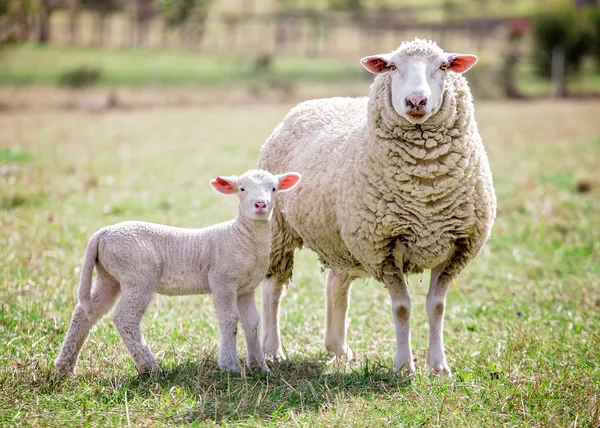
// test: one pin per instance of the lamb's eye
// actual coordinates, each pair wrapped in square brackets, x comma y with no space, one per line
[274,189]
[444,66]
[242,189]
[392,66]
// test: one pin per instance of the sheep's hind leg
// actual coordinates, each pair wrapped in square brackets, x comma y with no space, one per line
[272,288]
[401,307]
[127,318]
[250,319]
[103,297]
[436,303]
[338,299]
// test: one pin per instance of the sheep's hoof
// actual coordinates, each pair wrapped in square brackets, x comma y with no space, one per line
[230,368]
[150,369]
[275,357]
[64,369]
[340,352]
[409,367]
[256,369]
[441,369]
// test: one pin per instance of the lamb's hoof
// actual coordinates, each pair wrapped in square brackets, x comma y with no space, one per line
[408,367]
[275,356]
[441,368]
[257,369]
[340,353]
[150,369]
[230,368]
[64,369]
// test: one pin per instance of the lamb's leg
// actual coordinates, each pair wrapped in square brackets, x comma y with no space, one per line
[250,319]
[103,297]
[272,288]
[396,286]
[127,318]
[436,302]
[338,299]
[227,314]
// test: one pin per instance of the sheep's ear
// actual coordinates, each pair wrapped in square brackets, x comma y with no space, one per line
[225,185]
[377,64]
[288,181]
[460,63]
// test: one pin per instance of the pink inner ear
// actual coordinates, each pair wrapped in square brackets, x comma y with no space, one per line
[222,185]
[461,63]
[375,65]
[288,182]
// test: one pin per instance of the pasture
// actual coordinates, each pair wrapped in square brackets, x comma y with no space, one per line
[522,321]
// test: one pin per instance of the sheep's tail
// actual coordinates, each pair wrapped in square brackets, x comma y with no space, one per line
[85,283]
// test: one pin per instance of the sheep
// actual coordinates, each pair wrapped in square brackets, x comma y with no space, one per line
[133,260]
[397,183]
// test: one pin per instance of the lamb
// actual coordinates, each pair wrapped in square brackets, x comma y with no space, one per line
[397,182]
[133,260]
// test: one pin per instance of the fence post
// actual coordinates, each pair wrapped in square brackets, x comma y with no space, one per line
[558,72]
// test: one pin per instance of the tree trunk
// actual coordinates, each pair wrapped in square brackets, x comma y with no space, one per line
[44,22]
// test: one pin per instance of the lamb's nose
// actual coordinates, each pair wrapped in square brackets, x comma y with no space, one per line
[260,205]
[413,102]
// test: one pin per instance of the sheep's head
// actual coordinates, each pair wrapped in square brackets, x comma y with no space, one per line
[418,75]
[257,190]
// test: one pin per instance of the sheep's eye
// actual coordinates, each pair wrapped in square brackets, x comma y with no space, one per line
[274,189]
[392,66]
[444,66]
[242,189]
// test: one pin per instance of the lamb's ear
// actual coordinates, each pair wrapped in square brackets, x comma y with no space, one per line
[377,64]
[225,185]
[460,63]
[287,181]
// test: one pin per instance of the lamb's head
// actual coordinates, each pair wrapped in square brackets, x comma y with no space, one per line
[418,72]
[257,190]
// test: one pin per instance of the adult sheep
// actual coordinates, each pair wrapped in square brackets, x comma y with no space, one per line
[396,183]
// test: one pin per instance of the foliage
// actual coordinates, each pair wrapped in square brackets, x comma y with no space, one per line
[178,12]
[80,77]
[354,6]
[593,17]
[14,19]
[565,28]
[101,5]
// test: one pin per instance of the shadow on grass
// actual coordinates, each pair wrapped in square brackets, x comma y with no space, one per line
[197,391]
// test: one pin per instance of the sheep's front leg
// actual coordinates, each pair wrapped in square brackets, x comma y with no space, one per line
[396,286]
[436,303]
[224,300]
[250,319]
[338,299]
[272,288]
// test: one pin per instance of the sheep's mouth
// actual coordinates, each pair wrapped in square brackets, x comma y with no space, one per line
[416,116]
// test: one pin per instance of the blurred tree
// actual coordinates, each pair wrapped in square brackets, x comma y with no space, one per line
[15,20]
[563,29]
[187,15]
[102,9]
[354,6]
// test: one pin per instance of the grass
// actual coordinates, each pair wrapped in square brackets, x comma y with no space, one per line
[32,64]
[522,321]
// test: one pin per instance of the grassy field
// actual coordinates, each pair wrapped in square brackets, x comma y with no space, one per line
[521,326]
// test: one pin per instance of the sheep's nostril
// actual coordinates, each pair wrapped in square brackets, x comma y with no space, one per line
[413,102]
[260,205]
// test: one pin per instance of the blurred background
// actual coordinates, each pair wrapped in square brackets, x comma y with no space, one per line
[189,51]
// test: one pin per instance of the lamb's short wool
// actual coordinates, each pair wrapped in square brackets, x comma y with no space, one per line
[134,260]
[396,183]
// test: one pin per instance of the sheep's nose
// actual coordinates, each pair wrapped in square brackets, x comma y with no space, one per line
[260,205]
[413,102]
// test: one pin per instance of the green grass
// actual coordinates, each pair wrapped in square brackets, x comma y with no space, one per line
[521,325]
[31,64]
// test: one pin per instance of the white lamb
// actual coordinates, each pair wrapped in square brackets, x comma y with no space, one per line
[133,260]
[396,183]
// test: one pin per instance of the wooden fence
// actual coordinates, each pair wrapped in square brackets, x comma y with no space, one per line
[299,33]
